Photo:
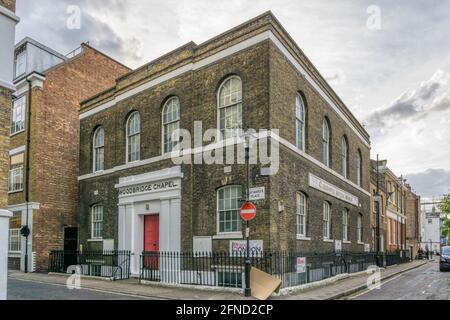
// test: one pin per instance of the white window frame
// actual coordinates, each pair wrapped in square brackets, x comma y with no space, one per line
[345,226]
[326,220]
[359,228]
[170,124]
[300,122]
[326,137]
[18,112]
[344,157]
[16,246]
[96,221]
[22,58]
[235,211]
[15,174]
[230,107]
[359,168]
[129,136]
[97,148]
[302,214]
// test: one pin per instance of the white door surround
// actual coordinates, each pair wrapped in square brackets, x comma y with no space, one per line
[146,194]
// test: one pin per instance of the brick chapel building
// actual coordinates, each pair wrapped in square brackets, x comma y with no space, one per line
[44,146]
[134,197]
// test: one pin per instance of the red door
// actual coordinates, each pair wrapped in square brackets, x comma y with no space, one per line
[151,242]
[151,234]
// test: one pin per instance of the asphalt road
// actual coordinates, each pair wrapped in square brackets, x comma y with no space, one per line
[26,290]
[424,283]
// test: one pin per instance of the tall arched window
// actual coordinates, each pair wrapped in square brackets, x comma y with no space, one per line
[326,220]
[134,137]
[326,143]
[228,213]
[359,168]
[99,149]
[230,107]
[300,122]
[171,123]
[302,211]
[97,222]
[360,228]
[344,157]
[345,220]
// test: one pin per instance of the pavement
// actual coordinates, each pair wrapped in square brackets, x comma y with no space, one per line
[38,286]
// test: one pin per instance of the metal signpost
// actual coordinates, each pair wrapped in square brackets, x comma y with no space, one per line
[248,213]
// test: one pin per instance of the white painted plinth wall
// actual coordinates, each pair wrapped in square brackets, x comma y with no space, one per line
[4,231]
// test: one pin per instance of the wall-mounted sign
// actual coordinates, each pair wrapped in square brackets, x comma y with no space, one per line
[239,247]
[257,194]
[338,245]
[301,265]
[149,187]
[367,247]
[332,190]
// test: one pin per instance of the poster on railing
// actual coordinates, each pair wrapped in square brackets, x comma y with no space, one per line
[301,265]
[238,248]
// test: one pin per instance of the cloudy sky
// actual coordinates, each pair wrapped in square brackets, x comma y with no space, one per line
[388,60]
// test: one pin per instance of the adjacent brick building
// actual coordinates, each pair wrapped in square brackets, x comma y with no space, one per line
[8,21]
[413,221]
[134,197]
[394,206]
[377,183]
[45,111]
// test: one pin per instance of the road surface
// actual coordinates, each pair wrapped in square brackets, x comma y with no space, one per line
[424,283]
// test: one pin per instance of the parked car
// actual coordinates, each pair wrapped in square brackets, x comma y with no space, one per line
[444,264]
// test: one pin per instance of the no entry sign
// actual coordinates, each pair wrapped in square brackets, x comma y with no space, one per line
[248,211]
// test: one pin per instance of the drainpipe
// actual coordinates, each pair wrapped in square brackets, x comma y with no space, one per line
[27,172]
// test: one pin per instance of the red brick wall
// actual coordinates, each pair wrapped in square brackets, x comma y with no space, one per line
[55,144]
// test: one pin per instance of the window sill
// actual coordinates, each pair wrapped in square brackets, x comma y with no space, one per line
[16,133]
[328,240]
[14,254]
[361,243]
[228,236]
[95,240]
[302,238]
[346,242]
[16,191]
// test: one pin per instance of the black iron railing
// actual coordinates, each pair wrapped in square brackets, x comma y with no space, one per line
[221,269]
[105,264]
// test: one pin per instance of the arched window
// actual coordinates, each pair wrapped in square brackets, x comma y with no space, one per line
[99,149]
[300,122]
[230,107]
[345,220]
[302,211]
[360,228]
[171,123]
[134,137]
[359,168]
[326,143]
[228,213]
[326,220]
[97,222]
[344,157]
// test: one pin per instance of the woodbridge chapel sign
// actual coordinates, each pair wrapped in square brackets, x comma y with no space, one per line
[149,187]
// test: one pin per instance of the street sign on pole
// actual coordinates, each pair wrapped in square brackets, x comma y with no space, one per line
[248,211]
